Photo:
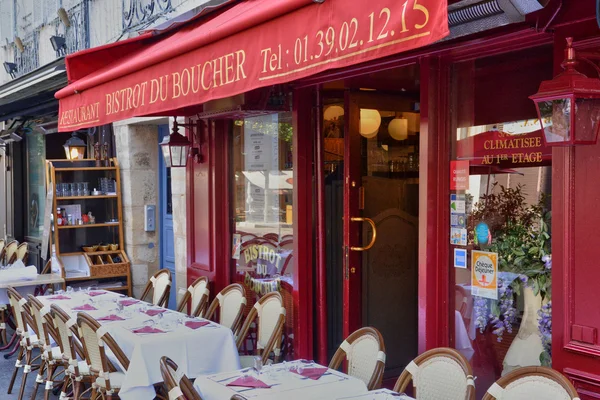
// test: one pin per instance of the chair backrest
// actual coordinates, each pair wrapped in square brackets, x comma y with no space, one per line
[532,383]
[17,302]
[160,286]
[21,253]
[439,373]
[230,302]
[2,245]
[46,332]
[94,337]
[365,352]
[270,315]
[178,386]
[10,250]
[271,236]
[66,328]
[197,294]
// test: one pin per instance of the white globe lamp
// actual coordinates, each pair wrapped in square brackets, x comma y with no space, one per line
[333,112]
[398,128]
[370,120]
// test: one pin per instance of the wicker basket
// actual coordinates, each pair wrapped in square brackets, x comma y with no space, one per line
[103,263]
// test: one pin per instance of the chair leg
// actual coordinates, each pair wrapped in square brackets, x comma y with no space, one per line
[26,369]
[49,382]
[39,379]
[17,366]
[11,343]
[76,389]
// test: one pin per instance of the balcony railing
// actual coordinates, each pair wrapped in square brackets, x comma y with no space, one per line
[137,13]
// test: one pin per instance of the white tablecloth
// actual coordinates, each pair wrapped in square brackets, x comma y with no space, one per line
[380,394]
[286,385]
[206,350]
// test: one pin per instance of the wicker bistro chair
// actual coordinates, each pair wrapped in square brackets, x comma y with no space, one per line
[20,253]
[107,379]
[365,352]
[9,250]
[532,383]
[441,373]
[178,386]
[52,357]
[230,302]
[270,313]
[27,343]
[160,286]
[197,296]
[77,372]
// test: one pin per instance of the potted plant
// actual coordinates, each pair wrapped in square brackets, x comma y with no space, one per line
[520,235]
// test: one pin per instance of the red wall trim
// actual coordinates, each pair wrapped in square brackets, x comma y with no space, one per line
[433,193]
[587,385]
[303,222]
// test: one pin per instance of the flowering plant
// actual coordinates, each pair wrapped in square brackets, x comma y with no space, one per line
[521,238]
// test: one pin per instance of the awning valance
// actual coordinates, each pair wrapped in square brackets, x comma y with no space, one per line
[252,44]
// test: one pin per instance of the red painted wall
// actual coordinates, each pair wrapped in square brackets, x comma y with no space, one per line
[576,272]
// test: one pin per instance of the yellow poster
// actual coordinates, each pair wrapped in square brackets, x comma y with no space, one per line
[484,274]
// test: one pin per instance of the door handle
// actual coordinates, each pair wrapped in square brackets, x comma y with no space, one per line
[373,227]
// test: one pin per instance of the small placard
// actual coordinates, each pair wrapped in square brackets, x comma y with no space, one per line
[459,175]
[458,236]
[484,274]
[236,244]
[460,258]
[457,204]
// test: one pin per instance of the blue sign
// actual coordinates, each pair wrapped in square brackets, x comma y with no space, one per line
[460,258]
[482,233]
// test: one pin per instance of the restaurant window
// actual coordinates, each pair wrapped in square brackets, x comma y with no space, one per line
[36,184]
[499,205]
[262,189]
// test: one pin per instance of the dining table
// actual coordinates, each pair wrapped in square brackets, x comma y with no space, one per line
[145,333]
[294,380]
[379,394]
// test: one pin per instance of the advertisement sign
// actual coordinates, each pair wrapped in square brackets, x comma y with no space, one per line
[460,258]
[458,236]
[215,58]
[484,274]
[459,175]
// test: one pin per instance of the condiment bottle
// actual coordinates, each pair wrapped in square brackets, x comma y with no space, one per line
[60,221]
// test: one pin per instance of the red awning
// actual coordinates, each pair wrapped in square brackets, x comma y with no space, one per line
[252,44]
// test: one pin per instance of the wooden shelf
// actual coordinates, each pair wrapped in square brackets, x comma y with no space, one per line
[91,278]
[95,253]
[85,169]
[104,196]
[89,225]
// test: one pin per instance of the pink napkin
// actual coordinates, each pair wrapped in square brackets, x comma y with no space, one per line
[111,317]
[94,294]
[154,312]
[249,382]
[59,297]
[147,329]
[313,373]
[196,324]
[126,303]
[85,307]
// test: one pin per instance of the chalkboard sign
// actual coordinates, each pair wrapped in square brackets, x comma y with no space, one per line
[47,213]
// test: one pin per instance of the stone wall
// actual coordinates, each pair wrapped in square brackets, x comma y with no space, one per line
[137,152]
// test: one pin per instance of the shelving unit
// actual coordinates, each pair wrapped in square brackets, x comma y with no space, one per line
[104,267]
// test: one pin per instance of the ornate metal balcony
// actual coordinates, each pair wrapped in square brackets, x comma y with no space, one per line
[77,35]
[28,60]
[142,12]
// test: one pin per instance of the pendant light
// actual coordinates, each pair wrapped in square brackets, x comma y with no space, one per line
[370,120]
[398,128]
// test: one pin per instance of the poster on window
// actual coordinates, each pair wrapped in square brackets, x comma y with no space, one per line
[484,274]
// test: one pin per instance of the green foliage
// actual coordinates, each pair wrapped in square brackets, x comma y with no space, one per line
[520,234]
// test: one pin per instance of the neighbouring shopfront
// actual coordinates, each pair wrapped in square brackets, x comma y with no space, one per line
[411,188]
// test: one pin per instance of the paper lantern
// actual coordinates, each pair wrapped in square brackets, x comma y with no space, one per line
[333,112]
[370,120]
[398,128]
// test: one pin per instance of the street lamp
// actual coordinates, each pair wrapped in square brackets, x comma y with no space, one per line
[74,148]
[175,148]
[568,106]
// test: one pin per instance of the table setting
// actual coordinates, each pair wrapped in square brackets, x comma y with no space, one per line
[379,394]
[299,379]
[146,332]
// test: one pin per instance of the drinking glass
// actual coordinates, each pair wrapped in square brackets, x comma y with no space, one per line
[69,290]
[258,364]
[86,188]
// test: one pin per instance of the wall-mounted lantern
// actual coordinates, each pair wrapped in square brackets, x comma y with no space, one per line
[568,106]
[74,148]
[176,147]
